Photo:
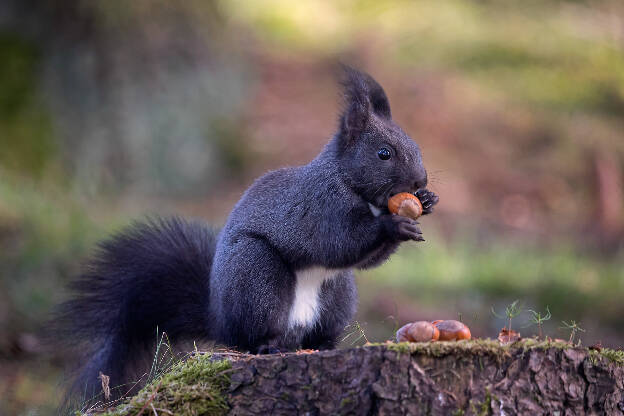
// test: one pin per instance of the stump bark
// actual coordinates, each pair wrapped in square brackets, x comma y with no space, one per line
[464,378]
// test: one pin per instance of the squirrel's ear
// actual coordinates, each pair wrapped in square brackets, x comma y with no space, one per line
[363,96]
[377,97]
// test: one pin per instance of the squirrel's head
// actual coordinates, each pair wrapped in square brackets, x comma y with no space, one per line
[377,157]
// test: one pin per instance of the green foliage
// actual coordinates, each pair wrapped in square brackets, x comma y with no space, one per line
[511,311]
[574,327]
[191,387]
[43,236]
[26,140]
[538,319]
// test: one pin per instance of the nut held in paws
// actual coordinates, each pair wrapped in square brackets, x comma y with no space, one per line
[405,204]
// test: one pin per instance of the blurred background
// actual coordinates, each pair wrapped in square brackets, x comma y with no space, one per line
[111,109]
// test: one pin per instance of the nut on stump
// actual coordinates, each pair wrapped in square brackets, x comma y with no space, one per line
[451,330]
[420,331]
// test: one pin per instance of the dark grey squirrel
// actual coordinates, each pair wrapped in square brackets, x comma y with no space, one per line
[278,276]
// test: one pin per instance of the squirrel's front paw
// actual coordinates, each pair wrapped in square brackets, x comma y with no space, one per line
[402,228]
[428,199]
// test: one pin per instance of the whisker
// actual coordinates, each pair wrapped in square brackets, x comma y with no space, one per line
[381,187]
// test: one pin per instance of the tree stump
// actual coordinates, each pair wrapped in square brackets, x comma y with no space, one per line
[477,377]
[465,378]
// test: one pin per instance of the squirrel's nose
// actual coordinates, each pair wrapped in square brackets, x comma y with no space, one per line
[421,182]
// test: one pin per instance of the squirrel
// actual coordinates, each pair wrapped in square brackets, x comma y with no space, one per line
[278,276]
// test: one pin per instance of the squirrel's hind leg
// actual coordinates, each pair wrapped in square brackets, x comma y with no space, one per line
[338,305]
[252,293]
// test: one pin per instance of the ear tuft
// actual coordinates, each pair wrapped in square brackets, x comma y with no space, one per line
[363,96]
[357,106]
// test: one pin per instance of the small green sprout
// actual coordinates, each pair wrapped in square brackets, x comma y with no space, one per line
[511,311]
[538,319]
[574,327]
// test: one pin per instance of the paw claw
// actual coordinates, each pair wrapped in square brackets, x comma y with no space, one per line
[428,200]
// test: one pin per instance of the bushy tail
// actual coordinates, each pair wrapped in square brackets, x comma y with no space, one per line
[153,275]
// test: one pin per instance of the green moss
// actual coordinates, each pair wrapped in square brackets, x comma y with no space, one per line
[401,347]
[192,387]
[534,343]
[483,347]
[440,348]
[613,356]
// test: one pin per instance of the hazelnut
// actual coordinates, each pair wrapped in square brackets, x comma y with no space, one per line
[405,204]
[451,330]
[420,331]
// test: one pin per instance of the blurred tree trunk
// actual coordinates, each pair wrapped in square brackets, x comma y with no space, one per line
[135,89]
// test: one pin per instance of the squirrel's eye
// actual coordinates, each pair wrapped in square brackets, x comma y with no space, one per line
[383,153]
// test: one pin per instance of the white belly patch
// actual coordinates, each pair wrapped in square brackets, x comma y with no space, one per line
[305,308]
